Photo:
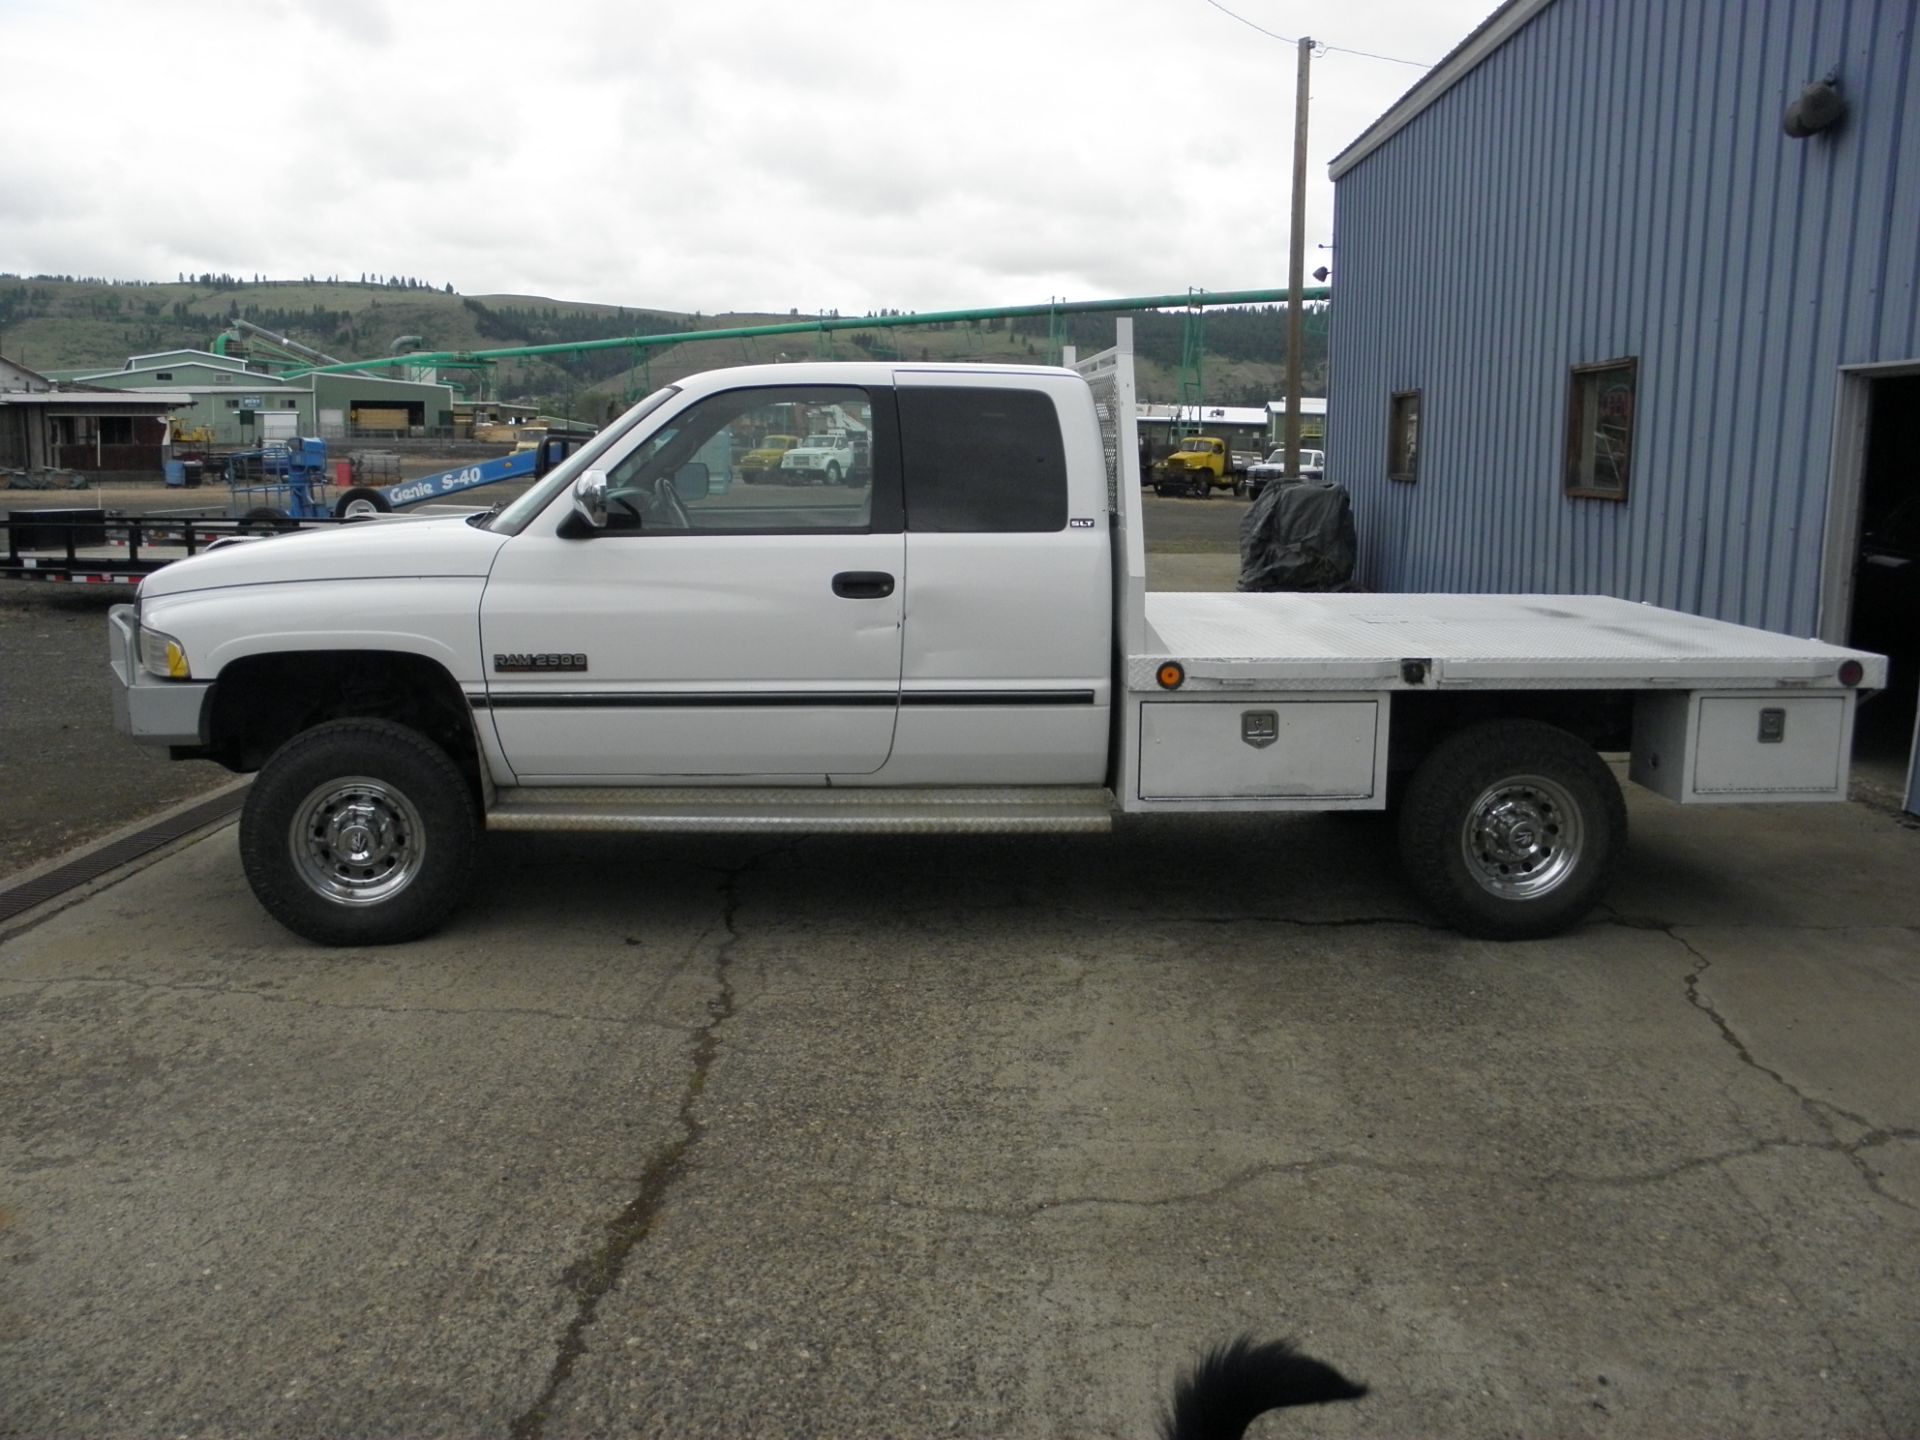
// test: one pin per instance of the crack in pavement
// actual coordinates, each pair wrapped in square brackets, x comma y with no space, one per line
[1820,1112]
[1404,1170]
[592,1277]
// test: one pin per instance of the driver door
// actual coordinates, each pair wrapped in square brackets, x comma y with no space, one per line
[719,625]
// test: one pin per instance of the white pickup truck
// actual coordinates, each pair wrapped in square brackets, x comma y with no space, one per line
[964,644]
[1313,465]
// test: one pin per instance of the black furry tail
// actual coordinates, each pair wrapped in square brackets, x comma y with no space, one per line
[1234,1382]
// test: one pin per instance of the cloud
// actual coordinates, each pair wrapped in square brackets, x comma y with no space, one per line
[739,154]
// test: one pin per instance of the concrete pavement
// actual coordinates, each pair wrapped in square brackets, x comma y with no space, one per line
[864,1137]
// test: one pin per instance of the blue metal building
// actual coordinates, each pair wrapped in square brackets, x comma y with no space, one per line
[1603,325]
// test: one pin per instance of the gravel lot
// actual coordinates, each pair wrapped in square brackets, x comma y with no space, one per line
[67,774]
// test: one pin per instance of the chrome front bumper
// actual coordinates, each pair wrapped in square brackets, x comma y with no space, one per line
[157,712]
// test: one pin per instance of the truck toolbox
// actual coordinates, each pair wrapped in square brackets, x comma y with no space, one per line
[1265,747]
[1706,747]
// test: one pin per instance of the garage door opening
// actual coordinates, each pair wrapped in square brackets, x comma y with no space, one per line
[1878,451]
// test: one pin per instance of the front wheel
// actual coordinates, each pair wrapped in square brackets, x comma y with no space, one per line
[359,832]
[1511,829]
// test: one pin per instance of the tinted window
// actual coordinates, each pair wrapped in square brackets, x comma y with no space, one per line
[982,460]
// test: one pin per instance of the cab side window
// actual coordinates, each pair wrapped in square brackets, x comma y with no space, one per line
[982,460]
[766,461]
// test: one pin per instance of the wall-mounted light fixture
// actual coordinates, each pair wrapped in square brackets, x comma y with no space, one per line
[1818,108]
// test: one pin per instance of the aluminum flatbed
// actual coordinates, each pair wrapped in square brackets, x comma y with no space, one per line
[1494,642]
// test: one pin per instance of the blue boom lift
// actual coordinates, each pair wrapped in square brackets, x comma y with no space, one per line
[364,500]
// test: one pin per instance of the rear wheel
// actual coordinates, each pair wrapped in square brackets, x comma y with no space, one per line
[359,832]
[1512,829]
[360,503]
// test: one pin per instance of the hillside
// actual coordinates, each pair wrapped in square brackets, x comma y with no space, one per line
[63,324]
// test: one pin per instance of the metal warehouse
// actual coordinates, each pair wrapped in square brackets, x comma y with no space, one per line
[1626,305]
[231,399]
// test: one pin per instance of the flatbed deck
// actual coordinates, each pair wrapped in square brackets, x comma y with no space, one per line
[1497,642]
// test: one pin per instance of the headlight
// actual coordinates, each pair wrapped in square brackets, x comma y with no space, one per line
[163,655]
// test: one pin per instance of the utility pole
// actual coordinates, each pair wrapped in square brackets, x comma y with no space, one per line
[1297,259]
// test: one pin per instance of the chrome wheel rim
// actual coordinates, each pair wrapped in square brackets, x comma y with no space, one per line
[1522,837]
[359,510]
[357,841]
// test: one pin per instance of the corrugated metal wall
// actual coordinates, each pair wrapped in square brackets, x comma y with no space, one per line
[1614,181]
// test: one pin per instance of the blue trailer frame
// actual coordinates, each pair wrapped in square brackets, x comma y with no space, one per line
[277,483]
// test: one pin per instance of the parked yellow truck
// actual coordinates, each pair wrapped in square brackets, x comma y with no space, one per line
[1198,466]
[762,463]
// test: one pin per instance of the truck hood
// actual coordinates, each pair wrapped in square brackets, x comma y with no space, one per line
[369,550]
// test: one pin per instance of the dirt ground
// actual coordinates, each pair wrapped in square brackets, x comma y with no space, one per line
[67,775]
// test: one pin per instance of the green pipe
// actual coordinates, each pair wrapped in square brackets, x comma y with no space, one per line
[809,327]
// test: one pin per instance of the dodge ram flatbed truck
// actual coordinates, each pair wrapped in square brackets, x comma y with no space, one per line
[962,642]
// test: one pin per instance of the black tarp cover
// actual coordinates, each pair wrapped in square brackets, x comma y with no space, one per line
[1298,537]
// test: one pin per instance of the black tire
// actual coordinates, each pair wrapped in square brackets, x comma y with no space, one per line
[373,783]
[360,502]
[1512,829]
[833,473]
[265,517]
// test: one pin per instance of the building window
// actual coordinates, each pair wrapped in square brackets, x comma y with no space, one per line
[293,404]
[233,404]
[1600,429]
[1403,436]
[163,374]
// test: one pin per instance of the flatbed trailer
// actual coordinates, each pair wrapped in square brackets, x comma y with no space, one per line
[94,547]
[100,549]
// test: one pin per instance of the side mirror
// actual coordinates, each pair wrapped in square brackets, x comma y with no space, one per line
[590,498]
[691,481]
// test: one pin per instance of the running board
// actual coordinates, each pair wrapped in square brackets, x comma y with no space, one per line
[970,810]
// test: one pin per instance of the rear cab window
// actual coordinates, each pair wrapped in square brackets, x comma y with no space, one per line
[981,460]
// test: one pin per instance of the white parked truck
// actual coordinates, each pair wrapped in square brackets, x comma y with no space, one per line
[964,644]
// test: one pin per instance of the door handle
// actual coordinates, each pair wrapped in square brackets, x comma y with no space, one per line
[863,584]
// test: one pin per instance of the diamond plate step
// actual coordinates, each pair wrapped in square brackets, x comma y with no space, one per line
[956,810]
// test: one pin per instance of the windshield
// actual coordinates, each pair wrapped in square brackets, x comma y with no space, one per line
[515,517]
[1195,447]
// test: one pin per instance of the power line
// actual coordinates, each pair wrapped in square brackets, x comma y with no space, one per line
[1318,45]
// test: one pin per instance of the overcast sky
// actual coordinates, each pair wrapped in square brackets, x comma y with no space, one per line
[715,155]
